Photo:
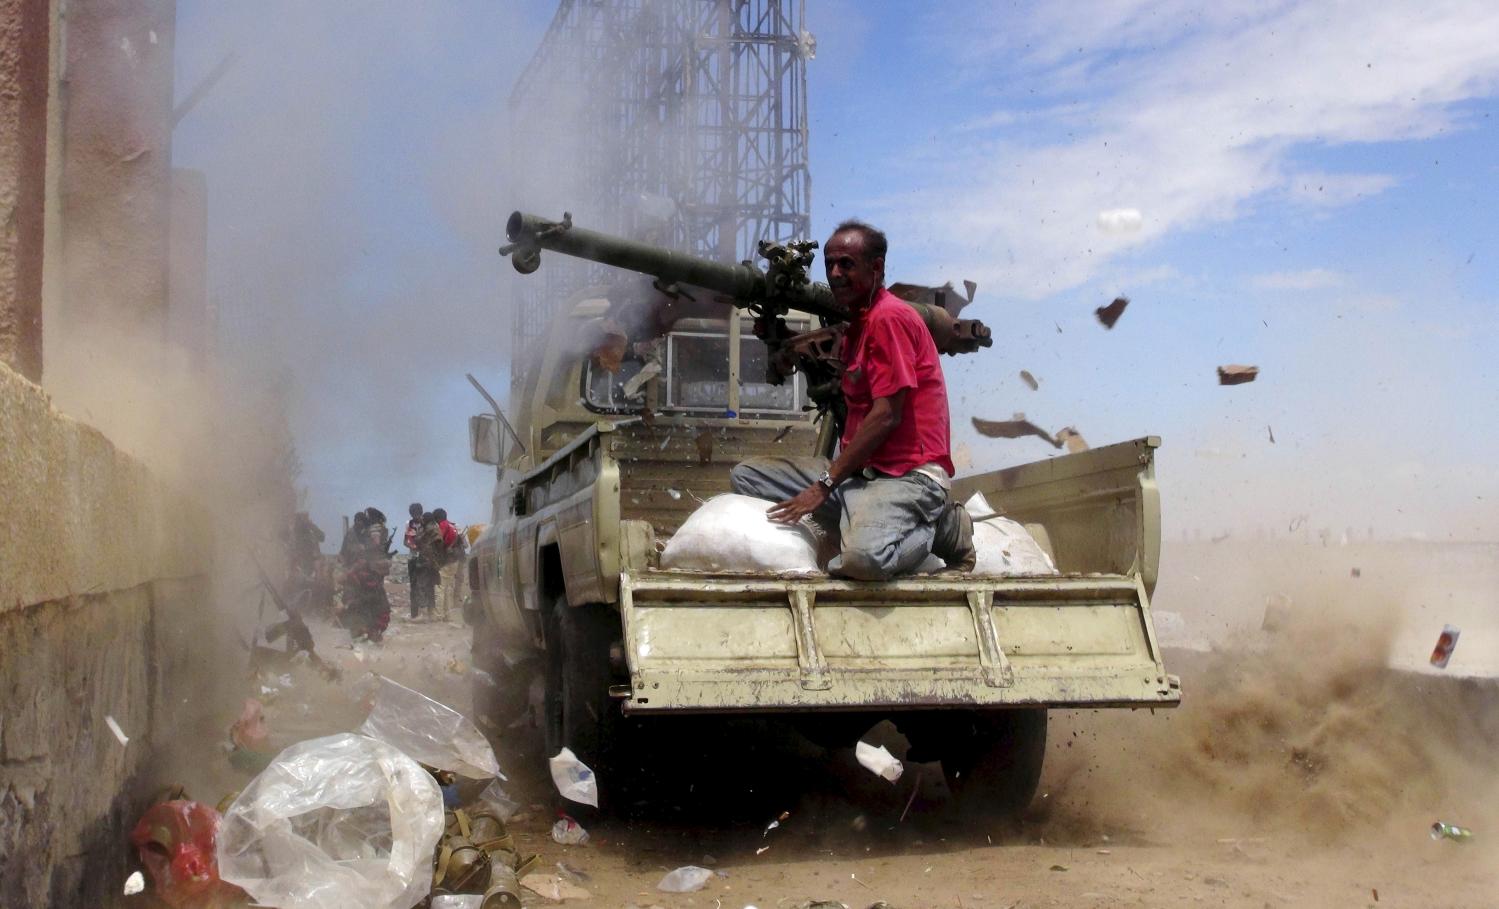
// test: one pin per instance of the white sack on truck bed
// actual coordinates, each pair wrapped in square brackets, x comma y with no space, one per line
[731,533]
[1005,547]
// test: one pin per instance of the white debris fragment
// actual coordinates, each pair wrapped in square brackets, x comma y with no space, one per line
[135,883]
[574,780]
[115,728]
[1120,220]
[686,879]
[879,761]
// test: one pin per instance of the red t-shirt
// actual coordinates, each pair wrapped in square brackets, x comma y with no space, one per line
[449,532]
[885,351]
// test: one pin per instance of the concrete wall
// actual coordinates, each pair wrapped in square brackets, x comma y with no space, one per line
[25,37]
[104,611]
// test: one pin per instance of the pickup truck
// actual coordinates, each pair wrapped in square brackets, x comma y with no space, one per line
[567,584]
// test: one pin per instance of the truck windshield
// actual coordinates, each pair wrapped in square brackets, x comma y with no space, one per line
[694,378]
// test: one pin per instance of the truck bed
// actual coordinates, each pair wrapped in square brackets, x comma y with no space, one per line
[699,641]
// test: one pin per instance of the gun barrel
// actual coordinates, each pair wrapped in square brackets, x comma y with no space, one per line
[745,283]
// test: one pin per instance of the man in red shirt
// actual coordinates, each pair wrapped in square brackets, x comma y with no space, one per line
[888,491]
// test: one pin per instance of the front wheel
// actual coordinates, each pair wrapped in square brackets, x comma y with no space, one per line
[580,714]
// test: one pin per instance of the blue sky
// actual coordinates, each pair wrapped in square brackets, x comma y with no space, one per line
[1315,185]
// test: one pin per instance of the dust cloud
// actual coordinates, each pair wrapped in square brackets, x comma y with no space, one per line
[1299,729]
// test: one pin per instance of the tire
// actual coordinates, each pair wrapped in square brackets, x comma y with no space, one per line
[579,713]
[992,762]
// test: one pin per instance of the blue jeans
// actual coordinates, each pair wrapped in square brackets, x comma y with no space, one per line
[884,526]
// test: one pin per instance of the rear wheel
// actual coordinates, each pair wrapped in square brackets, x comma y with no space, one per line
[992,761]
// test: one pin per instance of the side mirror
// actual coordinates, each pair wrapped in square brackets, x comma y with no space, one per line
[484,443]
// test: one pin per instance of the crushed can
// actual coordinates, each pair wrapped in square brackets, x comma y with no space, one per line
[1446,643]
[1444,831]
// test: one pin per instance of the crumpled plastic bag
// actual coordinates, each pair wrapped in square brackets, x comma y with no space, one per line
[878,761]
[573,778]
[433,733]
[731,533]
[686,879]
[343,820]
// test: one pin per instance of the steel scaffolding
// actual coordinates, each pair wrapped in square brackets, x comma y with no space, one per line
[683,122]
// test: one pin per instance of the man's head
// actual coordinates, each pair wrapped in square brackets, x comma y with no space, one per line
[440,514]
[855,262]
[415,510]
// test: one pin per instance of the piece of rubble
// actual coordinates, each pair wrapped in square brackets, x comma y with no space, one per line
[1028,379]
[1016,427]
[1235,374]
[1110,314]
[115,728]
[1072,439]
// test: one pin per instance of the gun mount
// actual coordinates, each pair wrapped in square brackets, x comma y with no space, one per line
[784,285]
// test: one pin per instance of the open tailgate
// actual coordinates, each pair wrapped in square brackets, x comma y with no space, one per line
[705,642]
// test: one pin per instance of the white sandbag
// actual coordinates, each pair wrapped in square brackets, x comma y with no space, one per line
[1006,549]
[731,533]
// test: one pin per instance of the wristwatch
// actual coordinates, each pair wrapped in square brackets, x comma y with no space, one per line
[827,481]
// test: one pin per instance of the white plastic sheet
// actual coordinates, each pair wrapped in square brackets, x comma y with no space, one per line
[731,533]
[344,820]
[573,778]
[433,733]
[879,761]
[685,879]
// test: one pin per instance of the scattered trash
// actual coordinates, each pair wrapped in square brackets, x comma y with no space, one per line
[135,883]
[674,493]
[115,728]
[1237,375]
[430,732]
[1444,831]
[1058,867]
[1355,573]
[343,820]
[775,823]
[1446,643]
[1110,314]
[878,761]
[821,904]
[573,779]
[915,788]
[457,901]
[1375,891]
[1028,379]
[569,832]
[860,823]
[853,877]
[1105,852]
[175,841]
[762,850]
[686,879]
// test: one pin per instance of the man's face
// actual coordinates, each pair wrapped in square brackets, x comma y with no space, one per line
[852,275]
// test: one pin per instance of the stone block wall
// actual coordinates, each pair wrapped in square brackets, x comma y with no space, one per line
[104,612]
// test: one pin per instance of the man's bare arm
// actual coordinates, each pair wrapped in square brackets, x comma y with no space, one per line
[883,417]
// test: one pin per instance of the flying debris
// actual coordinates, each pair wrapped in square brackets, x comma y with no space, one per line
[1120,220]
[1272,434]
[1027,378]
[1110,314]
[1072,439]
[1016,428]
[1237,375]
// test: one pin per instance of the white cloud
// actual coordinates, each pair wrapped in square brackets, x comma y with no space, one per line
[1120,220]
[1337,189]
[1187,113]
[1310,279]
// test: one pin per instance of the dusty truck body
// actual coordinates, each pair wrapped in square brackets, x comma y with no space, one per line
[567,579]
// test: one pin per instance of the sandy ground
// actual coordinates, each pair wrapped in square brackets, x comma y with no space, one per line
[1299,772]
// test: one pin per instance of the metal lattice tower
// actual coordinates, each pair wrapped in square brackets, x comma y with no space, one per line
[682,122]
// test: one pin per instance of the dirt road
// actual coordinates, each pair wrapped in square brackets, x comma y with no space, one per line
[1276,784]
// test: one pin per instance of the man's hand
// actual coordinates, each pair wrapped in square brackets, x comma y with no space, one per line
[805,502]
